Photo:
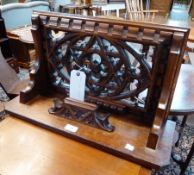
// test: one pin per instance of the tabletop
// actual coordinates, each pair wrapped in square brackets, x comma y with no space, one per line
[183,99]
[28,149]
[24,34]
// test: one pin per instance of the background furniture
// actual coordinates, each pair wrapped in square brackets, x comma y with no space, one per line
[183,99]
[3,2]
[163,6]
[106,9]
[190,46]
[136,11]
[17,15]
[59,3]
[80,9]
[9,80]
[184,164]
[183,104]
[192,10]
[5,46]
[22,45]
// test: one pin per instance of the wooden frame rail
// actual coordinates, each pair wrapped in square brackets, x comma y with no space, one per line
[171,37]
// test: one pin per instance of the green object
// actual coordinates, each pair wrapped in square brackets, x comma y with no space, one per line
[3,2]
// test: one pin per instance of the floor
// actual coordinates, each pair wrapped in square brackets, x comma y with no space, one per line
[181,152]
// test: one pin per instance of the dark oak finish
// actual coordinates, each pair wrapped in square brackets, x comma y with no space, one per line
[27,149]
[127,131]
[130,83]
[22,45]
[159,79]
[80,111]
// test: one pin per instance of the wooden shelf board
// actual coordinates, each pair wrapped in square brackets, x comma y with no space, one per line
[127,132]
[40,148]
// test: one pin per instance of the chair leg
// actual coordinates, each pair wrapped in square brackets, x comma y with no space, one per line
[181,129]
[186,163]
[174,118]
[184,120]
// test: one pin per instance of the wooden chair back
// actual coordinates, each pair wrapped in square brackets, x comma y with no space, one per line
[130,67]
[88,10]
[136,11]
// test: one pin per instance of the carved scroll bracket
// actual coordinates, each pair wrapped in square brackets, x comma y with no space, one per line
[83,112]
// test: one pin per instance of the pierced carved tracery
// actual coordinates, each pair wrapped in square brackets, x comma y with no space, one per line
[125,62]
[160,47]
[115,69]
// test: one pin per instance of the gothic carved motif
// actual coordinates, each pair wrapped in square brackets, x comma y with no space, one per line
[125,62]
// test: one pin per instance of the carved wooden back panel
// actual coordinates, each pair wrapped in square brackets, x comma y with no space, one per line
[129,66]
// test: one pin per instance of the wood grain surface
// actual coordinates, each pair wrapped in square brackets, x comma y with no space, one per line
[127,131]
[27,150]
